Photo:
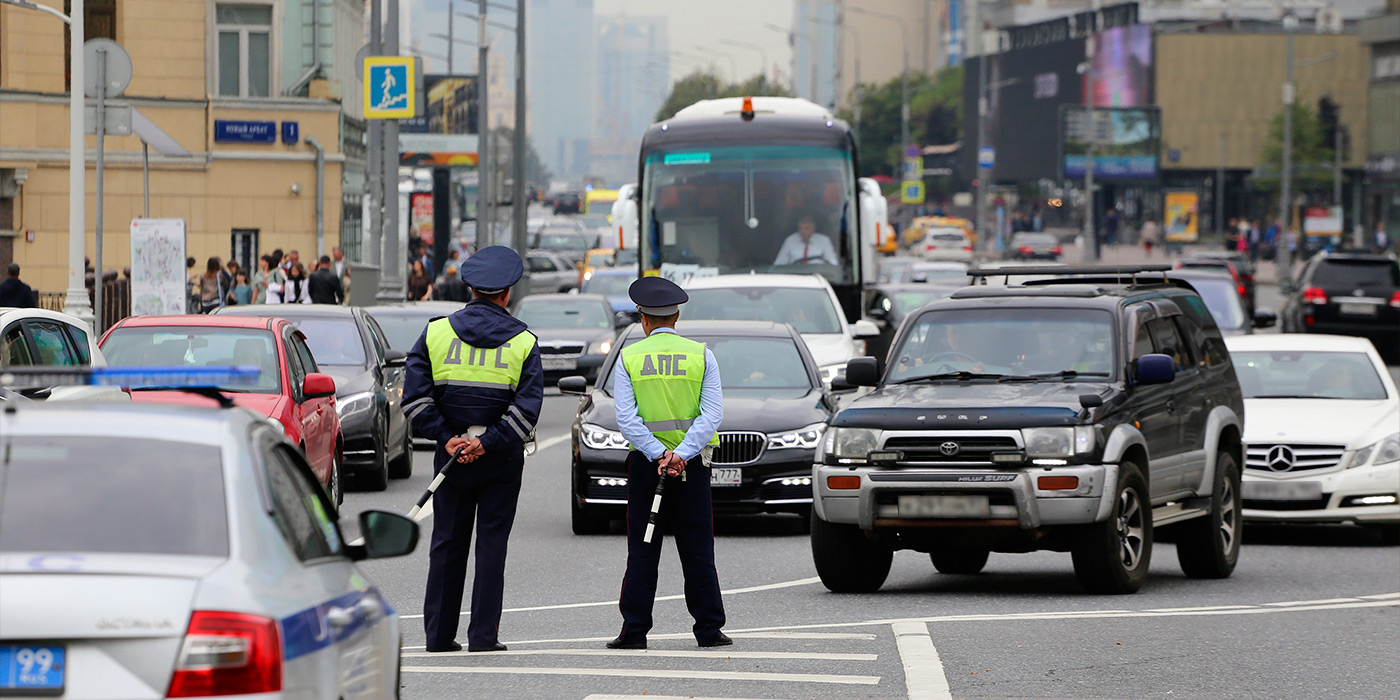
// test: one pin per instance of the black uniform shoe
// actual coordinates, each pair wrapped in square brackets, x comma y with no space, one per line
[620,644]
[490,647]
[452,646]
[722,640]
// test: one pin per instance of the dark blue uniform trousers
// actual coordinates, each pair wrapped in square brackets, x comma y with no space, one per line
[687,515]
[485,491]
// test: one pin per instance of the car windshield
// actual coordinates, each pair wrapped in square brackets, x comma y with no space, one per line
[808,310]
[1308,375]
[765,364]
[608,284]
[175,346]
[1012,342]
[563,313]
[938,273]
[402,330]
[564,240]
[333,341]
[892,269]
[115,497]
[1222,300]
[1357,273]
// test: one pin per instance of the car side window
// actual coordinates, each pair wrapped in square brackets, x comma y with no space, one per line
[17,347]
[80,344]
[1170,342]
[1142,342]
[296,371]
[376,337]
[538,264]
[303,351]
[52,344]
[299,510]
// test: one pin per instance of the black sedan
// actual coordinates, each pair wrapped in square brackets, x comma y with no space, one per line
[348,345]
[888,304]
[775,414]
[574,331]
[1237,264]
[1347,294]
[1222,298]
[403,323]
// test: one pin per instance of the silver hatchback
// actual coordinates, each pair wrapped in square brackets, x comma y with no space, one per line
[151,551]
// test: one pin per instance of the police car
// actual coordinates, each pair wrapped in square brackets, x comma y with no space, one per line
[178,551]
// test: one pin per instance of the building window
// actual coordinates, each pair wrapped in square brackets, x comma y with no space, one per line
[99,22]
[243,50]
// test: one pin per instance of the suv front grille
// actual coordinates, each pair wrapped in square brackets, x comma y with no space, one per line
[1292,458]
[970,448]
[739,448]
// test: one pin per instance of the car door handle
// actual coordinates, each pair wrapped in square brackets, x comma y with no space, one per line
[1171,407]
[340,617]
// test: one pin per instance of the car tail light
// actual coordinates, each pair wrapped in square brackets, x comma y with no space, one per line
[1314,295]
[967,248]
[1179,265]
[1055,250]
[1395,300]
[226,653]
[1026,250]
[1241,289]
[928,246]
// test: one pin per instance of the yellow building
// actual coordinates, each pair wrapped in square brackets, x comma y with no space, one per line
[232,84]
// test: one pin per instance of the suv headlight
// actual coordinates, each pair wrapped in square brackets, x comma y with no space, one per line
[851,445]
[600,348]
[1379,452]
[354,403]
[806,438]
[1058,442]
[597,438]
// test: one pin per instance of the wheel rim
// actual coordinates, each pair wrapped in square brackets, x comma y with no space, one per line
[1130,529]
[1229,516]
[335,480]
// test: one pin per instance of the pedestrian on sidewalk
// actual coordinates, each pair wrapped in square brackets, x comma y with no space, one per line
[15,293]
[1151,233]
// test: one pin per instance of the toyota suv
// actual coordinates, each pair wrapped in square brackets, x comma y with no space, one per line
[1072,414]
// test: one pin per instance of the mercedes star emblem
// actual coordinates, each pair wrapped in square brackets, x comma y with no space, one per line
[1280,458]
[949,448]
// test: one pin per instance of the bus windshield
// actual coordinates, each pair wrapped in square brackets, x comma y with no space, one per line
[751,208]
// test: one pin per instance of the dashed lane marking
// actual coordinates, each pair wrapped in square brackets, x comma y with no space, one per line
[923,669]
[602,603]
[659,653]
[653,673]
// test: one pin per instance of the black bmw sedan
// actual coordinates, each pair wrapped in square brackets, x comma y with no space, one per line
[775,413]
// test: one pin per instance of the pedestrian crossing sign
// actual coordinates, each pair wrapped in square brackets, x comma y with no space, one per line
[911,192]
[390,89]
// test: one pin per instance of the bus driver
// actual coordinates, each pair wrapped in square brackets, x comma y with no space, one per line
[806,246]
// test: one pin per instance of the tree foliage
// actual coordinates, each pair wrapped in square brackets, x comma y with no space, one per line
[935,116]
[705,85]
[1312,154]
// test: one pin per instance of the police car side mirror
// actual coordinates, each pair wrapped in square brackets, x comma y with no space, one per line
[395,358]
[386,535]
[574,385]
[863,371]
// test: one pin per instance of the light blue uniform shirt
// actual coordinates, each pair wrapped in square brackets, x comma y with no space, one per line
[631,426]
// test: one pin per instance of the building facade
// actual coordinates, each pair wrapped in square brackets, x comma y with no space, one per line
[634,66]
[1381,205]
[562,84]
[872,47]
[244,87]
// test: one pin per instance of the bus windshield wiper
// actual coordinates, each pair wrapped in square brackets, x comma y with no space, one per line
[962,375]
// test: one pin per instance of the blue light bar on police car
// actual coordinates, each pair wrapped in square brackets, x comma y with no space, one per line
[132,377]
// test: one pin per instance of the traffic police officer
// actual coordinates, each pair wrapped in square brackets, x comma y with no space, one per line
[666,390]
[474,383]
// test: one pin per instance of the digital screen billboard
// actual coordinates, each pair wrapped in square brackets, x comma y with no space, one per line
[1122,67]
[1126,142]
[1025,90]
[449,106]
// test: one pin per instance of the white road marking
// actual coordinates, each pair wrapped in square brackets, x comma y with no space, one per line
[654,673]
[1380,596]
[655,697]
[923,670]
[1296,603]
[802,635]
[602,603]
[667,653]
[1207,607]
[547,443]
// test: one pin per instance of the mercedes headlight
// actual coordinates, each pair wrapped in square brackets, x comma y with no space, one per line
[597,438]
[1058,442]
[851,445]
[829,372]
[601,348]
[1378,452]
[354,403]
[805,438]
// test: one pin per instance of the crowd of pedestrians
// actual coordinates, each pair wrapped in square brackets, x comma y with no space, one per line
[278,279]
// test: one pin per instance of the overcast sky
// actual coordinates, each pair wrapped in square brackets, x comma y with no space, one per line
[696,26]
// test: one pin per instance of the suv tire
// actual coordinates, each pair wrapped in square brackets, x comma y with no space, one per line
[1113,556]
[1208,547]
[846,560]
[959,561]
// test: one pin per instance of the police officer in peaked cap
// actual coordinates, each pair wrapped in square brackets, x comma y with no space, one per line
[667,394]
[474,383]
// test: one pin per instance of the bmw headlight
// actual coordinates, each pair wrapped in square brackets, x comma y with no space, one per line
[851,445]
[1058,442]
[598,438]
[1378,452]
[354,403]
[601,348]
[805,438]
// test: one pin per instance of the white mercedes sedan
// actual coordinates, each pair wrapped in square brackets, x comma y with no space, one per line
[1322,431]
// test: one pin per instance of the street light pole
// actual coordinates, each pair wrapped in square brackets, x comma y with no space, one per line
[1283,255]
[762,54]
[1091,232]
[518,231]
[76,301]
[390,272]
[485,217]
[374,160]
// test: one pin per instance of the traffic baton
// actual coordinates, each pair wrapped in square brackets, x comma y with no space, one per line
[655,508]
[437,481]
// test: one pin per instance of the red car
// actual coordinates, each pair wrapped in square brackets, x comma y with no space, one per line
[290,388]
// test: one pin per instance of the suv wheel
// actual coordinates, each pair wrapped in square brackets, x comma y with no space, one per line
[1113,556]
[846,560]
[584,522]
[959,561]
[1208,547]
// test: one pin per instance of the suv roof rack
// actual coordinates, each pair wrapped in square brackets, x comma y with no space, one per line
[1075,274]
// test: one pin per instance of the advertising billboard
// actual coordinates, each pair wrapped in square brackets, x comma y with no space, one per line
[1126,142]
[1025,90]
[1122,67]
[449,106]
[1182,213]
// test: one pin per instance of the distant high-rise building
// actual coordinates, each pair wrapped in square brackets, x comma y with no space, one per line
[561,75]
[815,49]
[633,59]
